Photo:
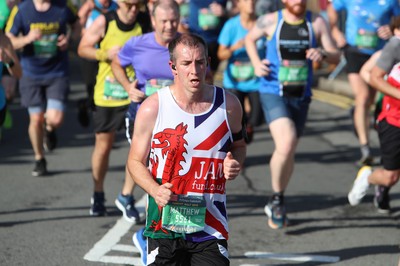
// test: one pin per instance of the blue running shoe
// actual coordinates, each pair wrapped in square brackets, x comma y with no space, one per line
[140,242]
[276,213]
[126,204]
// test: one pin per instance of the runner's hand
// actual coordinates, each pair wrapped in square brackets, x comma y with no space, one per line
[113,52]
[384,32]
[315,54]
[62,42]
[135,94]
[262,69]
[163,194]
[34,35]
[231,167]
[217,9]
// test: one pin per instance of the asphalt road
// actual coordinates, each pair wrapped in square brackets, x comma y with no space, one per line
[45,220]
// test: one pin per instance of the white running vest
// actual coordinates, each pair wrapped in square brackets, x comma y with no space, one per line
[188,150]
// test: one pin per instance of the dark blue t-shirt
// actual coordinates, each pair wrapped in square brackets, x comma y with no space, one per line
[42,58]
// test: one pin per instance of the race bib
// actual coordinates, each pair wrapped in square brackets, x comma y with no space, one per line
[153,85]
[184,10]
[242,70]
[207,20]
[293,72]
[186,215]
[366,39]
[114,90]
[46,46]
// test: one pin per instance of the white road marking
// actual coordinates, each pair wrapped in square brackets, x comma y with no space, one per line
[125,248]
[111,239]
[121,260]
[291,257]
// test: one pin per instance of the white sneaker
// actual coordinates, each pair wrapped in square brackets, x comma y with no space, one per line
[360,186]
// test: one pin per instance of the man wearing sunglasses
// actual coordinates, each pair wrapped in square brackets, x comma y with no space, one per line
[110,31]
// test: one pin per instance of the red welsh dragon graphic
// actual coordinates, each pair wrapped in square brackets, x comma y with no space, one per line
[172,144]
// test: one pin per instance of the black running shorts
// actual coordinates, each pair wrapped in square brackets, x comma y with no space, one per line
[389,137]
[355,59]
[108,119]
[179,252]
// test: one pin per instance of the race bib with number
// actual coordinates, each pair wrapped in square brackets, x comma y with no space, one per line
[207,20]
[186,215]
[153,85]
[366,39]
[293,72]
[46,46]
[114,90]
[242,70]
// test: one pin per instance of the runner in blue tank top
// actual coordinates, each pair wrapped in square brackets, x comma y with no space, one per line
[286,75]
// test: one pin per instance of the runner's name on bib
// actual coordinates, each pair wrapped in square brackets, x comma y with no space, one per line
[153,85]
[293,72]
[114,90]
[366,39]
[186,215]
[46,46]
[242,70]
[207,20]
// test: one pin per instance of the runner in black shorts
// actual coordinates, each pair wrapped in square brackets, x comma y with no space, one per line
[366,31]
[385,77]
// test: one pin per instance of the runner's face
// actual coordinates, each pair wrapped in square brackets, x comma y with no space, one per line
[246,6]
[165,23]
[296,7]
[105,3]
[191,66]
[130,8]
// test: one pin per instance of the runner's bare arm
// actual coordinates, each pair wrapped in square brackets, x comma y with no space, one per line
[139,152]
[365,71]
[234,161]
[377,80]
[92,36]
[329,50]
[337,34]
[263,27]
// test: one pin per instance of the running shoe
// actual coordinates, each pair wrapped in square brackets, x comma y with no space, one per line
[360,186]
[382,199]
[276,213]
[126,204]
[97,204]
[50,140]
[40,168]
[365,160]
[140,242]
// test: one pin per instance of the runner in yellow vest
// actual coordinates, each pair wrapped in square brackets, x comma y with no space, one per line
[111,31]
